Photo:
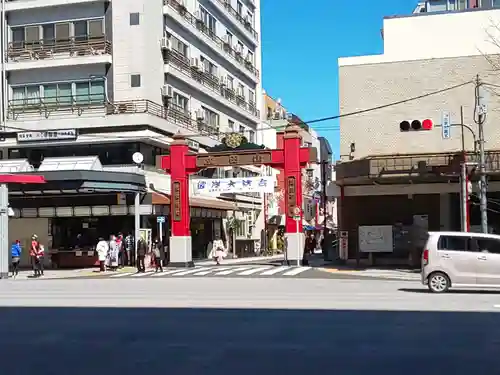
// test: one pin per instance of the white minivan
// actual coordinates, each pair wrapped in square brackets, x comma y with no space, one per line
[461,260]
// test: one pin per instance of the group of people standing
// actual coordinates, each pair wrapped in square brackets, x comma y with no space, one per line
[118,252]
[37,256]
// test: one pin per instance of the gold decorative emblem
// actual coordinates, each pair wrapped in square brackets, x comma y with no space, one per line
[233,140]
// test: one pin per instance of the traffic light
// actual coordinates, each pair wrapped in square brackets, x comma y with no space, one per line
[417,125]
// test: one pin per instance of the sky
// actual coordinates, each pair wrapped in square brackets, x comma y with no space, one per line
[301,44]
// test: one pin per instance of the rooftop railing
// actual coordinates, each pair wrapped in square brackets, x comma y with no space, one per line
[58,48]
[221,44]
[213,83]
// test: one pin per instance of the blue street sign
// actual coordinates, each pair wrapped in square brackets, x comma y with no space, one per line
[160,219]
[446,125]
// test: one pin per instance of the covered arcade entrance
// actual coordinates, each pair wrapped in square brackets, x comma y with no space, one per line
[236,151]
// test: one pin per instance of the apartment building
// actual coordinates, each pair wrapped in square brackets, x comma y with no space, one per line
[391,176]
[278,118]
[431,6]
[88,83]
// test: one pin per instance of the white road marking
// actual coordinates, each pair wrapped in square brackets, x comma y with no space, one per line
[296,271]
[142,274]
[274,270]
[183,273]
[213,269]
[252,271]
[122,274]
[232,270]
[169,272]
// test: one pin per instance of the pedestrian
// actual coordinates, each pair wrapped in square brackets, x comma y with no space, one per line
[141,254]
[219,249]
[41,258]
[34,255]
[113,253]
[130,249]
[159,255]
[121,250]
[15,253]
[102,249]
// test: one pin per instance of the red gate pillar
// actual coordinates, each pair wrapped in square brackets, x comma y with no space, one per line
[180,240]
[294,235]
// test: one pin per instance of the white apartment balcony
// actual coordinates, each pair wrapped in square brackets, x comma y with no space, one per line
[50,53]
[93,111]
[179,66]
[12,5]
[180,14]
[241,22]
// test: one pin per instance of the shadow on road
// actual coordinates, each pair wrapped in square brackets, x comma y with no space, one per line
[86,341]
[451,291]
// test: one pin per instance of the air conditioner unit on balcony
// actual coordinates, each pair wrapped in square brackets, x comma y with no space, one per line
[200,115]
[167,91]
[165,43]
[195,63]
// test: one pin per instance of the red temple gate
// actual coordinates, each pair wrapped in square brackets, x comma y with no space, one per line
[181,163]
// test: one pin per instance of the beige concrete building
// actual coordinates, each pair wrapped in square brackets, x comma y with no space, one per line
[390,177]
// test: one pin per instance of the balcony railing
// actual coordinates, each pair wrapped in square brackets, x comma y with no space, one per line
[45,106]
[244,22]
[82,103]
[224,47]
[57,48]
[182,63]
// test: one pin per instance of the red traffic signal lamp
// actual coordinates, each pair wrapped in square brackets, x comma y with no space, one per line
[416,125]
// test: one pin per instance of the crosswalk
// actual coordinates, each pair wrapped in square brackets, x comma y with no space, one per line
[219,271]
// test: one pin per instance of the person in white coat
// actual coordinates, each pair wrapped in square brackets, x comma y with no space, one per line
[102,249]
[219,249]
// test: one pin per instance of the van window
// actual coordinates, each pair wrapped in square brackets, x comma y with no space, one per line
[453,243]
[490,245]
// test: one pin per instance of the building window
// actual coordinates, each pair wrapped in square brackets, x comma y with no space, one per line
[230,82]
[270,113]
[180,102]
[241,47]
[229,37]
[59,94]
[211,118]
[134,19]
[230,125]
[251,136]
[178,45]
[250,58]
[135,80]
[242,130]
[250,18]
[239,8]
[208,66]
[209,21]
[251,97]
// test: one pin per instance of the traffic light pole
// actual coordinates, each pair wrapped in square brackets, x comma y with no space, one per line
[481,111]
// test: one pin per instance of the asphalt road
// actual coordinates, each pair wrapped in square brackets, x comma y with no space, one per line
[244,326]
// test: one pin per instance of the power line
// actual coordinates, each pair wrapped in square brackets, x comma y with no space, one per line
[361,111]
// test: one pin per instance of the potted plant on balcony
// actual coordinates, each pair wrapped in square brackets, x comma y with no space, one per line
[182,9]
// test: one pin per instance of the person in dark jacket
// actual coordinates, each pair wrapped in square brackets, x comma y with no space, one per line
[142,249]
[15,253]
[159,255]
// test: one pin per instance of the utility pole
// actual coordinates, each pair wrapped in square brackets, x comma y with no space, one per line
[481,110]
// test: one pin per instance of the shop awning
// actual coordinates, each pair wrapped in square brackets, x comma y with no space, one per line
[214,203]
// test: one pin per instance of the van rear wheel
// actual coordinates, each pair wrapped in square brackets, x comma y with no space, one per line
[438,282]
